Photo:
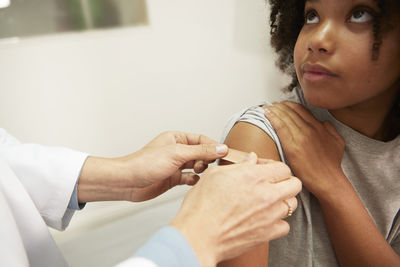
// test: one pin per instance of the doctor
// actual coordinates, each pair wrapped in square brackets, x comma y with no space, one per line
[230,210]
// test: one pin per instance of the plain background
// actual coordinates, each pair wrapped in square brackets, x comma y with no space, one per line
[108,92]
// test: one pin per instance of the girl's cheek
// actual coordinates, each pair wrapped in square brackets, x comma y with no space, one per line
[298,53]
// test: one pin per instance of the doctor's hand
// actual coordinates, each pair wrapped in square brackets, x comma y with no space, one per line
[151,171]
[236,207]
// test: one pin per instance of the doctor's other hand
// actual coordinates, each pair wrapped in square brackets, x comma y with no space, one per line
[151,171]
[236,207]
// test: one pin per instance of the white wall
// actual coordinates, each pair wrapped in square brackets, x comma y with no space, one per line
[109,92]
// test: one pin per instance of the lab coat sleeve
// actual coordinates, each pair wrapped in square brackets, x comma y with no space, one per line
[167,248]
[73,203]
[49,175]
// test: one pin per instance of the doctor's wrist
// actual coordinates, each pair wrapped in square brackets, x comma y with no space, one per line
[102,179]
[202,243]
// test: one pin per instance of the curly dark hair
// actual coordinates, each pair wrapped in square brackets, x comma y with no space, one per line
[286,21]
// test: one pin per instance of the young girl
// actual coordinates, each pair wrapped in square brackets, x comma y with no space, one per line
[341,138]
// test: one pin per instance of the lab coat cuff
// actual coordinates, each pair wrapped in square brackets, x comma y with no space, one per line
[73,202]
[75,163]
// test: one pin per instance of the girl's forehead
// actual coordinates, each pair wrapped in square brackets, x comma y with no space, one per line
[343,2]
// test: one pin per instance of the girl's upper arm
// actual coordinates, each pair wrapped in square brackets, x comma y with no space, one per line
[249,138]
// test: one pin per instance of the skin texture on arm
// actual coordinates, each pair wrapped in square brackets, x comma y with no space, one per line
[249,138]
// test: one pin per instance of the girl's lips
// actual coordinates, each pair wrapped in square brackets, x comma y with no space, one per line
[316,76]
[316,72]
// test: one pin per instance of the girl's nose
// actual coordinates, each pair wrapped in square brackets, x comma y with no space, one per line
[321,40]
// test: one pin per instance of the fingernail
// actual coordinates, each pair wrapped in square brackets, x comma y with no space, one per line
[267,111]
[221,149]
[250,156]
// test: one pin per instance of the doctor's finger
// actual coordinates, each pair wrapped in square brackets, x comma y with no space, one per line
[200,166]
[193,139]
[282,209]
[290,205]
[273,172]
[288,188]
[277,230]
[265,161]
[182,178]
[189,178]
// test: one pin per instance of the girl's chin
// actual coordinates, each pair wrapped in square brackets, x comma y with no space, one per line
[319,101]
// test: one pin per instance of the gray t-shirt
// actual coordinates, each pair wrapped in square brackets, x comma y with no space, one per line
[372,167]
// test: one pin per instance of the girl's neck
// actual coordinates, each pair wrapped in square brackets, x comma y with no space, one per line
[368,117]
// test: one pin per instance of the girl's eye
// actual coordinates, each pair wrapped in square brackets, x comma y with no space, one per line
[311,17]
[361,16]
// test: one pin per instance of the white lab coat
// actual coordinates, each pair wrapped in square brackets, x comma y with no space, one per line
[36,184]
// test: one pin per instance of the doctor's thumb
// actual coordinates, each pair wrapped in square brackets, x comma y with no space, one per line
[207,152]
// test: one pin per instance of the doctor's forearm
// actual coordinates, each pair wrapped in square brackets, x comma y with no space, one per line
[100,180]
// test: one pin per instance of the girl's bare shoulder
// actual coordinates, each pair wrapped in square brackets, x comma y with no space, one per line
[250,138]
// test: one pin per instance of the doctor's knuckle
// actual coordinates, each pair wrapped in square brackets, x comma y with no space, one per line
[282,167]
